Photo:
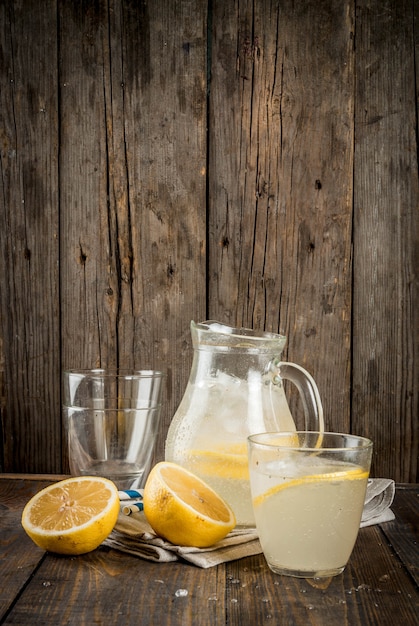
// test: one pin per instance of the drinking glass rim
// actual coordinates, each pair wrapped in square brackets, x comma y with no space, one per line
[365,441]
[127,373]
[239,332]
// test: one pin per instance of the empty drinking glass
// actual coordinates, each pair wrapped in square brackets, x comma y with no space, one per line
[112,419]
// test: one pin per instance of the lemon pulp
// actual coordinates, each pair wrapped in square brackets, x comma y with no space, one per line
[72,516]
[183,509]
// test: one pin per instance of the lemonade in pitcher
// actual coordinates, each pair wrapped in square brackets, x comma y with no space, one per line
[235,388]
[227,473]
[209,439]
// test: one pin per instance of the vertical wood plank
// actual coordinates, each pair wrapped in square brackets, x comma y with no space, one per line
[133,198]
[29,302]
[386,238]
[280,182]
[88,263]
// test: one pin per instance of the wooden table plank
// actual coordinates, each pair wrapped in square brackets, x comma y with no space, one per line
[19,556]
[403,532]
[17,489]
[109,587]
[131,591]
[356,597]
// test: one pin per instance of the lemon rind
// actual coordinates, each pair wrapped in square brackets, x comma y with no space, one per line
[198,530]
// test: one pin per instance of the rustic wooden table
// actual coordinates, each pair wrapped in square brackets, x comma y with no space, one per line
[379,585]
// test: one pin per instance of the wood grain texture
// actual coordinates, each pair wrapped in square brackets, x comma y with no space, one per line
[29,238]
[108,587]
[385,397]
[133,229]
[401,534]
[132,591]
[252,162]
[19,555]
[280,195]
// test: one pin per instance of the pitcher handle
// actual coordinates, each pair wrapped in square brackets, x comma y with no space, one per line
[308,391]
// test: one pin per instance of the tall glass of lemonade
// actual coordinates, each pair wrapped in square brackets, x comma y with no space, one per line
[308,492]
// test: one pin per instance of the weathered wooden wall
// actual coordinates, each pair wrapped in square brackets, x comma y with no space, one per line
[253,162]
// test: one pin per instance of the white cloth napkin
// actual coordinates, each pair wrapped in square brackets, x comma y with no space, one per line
[132,533]
[378,500]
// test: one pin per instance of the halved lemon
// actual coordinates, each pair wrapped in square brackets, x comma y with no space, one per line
[357,473]
[72,516]
[183,509]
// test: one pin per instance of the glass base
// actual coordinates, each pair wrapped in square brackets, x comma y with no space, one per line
[125,475]
[298,573]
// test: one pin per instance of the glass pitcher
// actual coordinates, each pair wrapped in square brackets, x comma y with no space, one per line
[235,389]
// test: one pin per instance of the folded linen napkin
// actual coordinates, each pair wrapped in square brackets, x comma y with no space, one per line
[133,534]
[378,500]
